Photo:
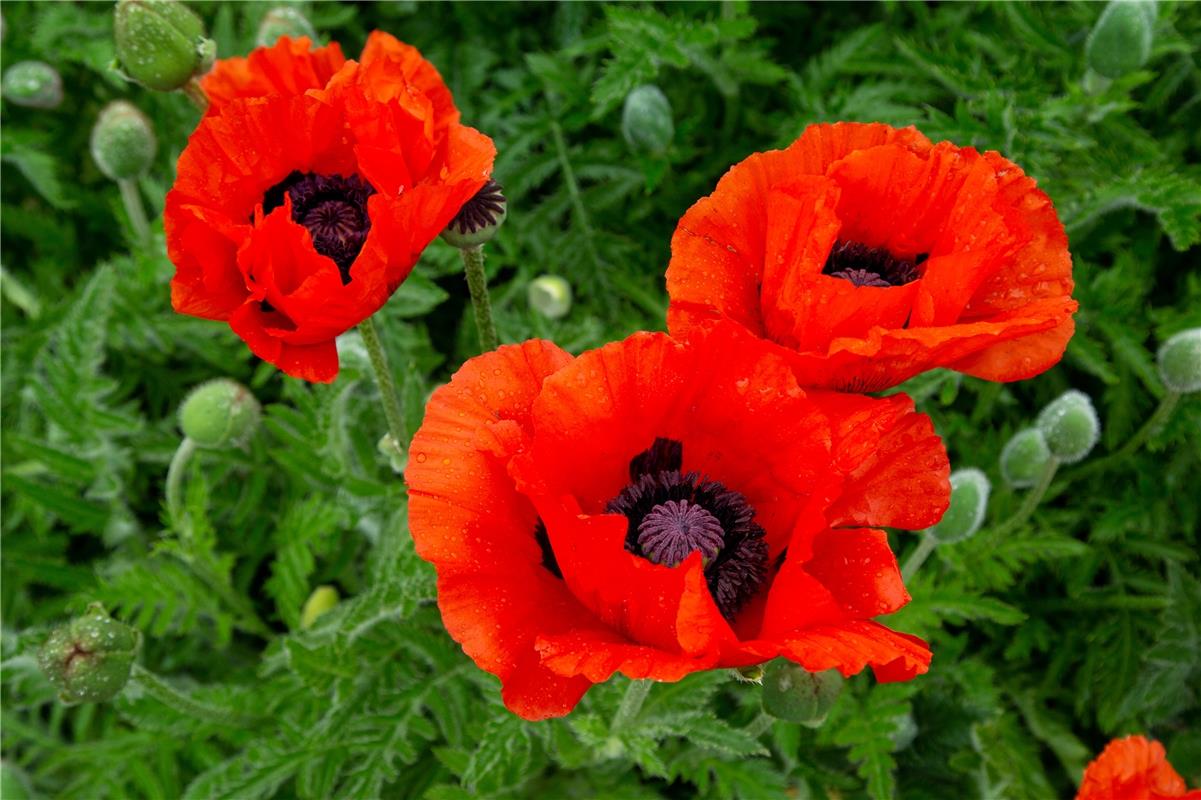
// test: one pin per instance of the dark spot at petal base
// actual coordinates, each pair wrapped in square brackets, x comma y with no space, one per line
[871,266]
[332,207]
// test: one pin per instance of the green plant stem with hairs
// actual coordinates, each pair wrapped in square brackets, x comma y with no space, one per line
[477,284]
[171,697]
[631,704]
[134,209]
[389,396]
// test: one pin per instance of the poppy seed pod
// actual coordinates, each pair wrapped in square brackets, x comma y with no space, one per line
[89,659]
[320,601]
[1070,425]
[479,219]
[283,21]
[1180,362]
[646,120]
[969,502]
[33,84]
[1024,458]
[219,412]
[123,142]
[550,296]
[1120,42]
[161,43]
[791,693]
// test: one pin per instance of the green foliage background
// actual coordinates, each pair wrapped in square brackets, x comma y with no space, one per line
[1082,624]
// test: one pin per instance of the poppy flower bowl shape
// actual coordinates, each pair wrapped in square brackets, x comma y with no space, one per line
[867,255]
[309,190]
[1133,768]
[656,509]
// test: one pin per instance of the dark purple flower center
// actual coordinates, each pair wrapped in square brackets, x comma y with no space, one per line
[332,207]
[871,266]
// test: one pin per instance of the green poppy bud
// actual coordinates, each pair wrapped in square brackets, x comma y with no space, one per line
[33,84]
[320,601]
[1024,458]
[792,693]
[398,459]
[89,659]
[1070,425]
[1180,362]
[479,219]
[161,43]
[123,143]
[283,21]
[969,501]
[550,296]
[903,732]
[1120,42]
[219,412]
[646,121]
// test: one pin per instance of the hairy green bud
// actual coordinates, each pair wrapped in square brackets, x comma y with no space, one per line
[1070,425]
[550,296]
[969,502]
[792,693]
[283,21]
[33,84]
[646,121]
[320,601]
[89,659]
[1120,42]
[161,44]
[123,142]
[219,412]
[1024,458]
[479,219]
[1180,362]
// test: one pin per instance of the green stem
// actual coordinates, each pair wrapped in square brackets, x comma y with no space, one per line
[1152,426]
[630,704]
[179,463]
[477,284]
[195,93]
[577,204]
[760,724]
[1033,497]
[389,397]
[919,555]
[171,697]
[134,209]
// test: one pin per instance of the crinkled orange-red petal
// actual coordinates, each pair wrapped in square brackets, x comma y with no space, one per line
[290,66]
[1133,768]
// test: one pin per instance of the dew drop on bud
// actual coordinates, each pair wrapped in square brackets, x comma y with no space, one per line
[89,659]
[33,84]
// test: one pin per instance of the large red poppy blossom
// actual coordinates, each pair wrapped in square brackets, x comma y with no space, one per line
[868,255]
[1133,768]
[655,509]
[307,194]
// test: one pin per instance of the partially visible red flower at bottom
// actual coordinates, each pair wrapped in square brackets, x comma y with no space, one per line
[656,509]
[1133,768]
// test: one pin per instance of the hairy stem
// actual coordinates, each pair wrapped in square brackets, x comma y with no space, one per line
[760,724]
[1152,426]
[627,712]
[171,697]
[477,284]
[389,397]
[919,555]
[1034,496]
[134,209]
[179,463]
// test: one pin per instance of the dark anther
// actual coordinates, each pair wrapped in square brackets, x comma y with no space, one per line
[548,553]
[332,207]
[673,514]
[871,266]
[482,210]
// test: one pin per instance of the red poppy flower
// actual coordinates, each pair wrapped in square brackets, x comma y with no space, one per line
[656,509]
[868,255]
[306,196]
[1133,768]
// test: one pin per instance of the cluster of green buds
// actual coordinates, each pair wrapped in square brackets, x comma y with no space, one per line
[1065,432]
[89,659]
[33,84]
[161,44]
[646,121]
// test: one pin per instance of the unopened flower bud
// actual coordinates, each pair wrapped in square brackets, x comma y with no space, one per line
[1180,362]
[89,659]
[792,693]
[903,733]
[398,459]
[219,412]
[1120,42]
[646,120]
[1070,425]
[969,502]
[550,296]
[752,674]
[320,601]
[123,143]
[283,21]
[479,219]
[161,43]
[34,84]
[1024,458]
